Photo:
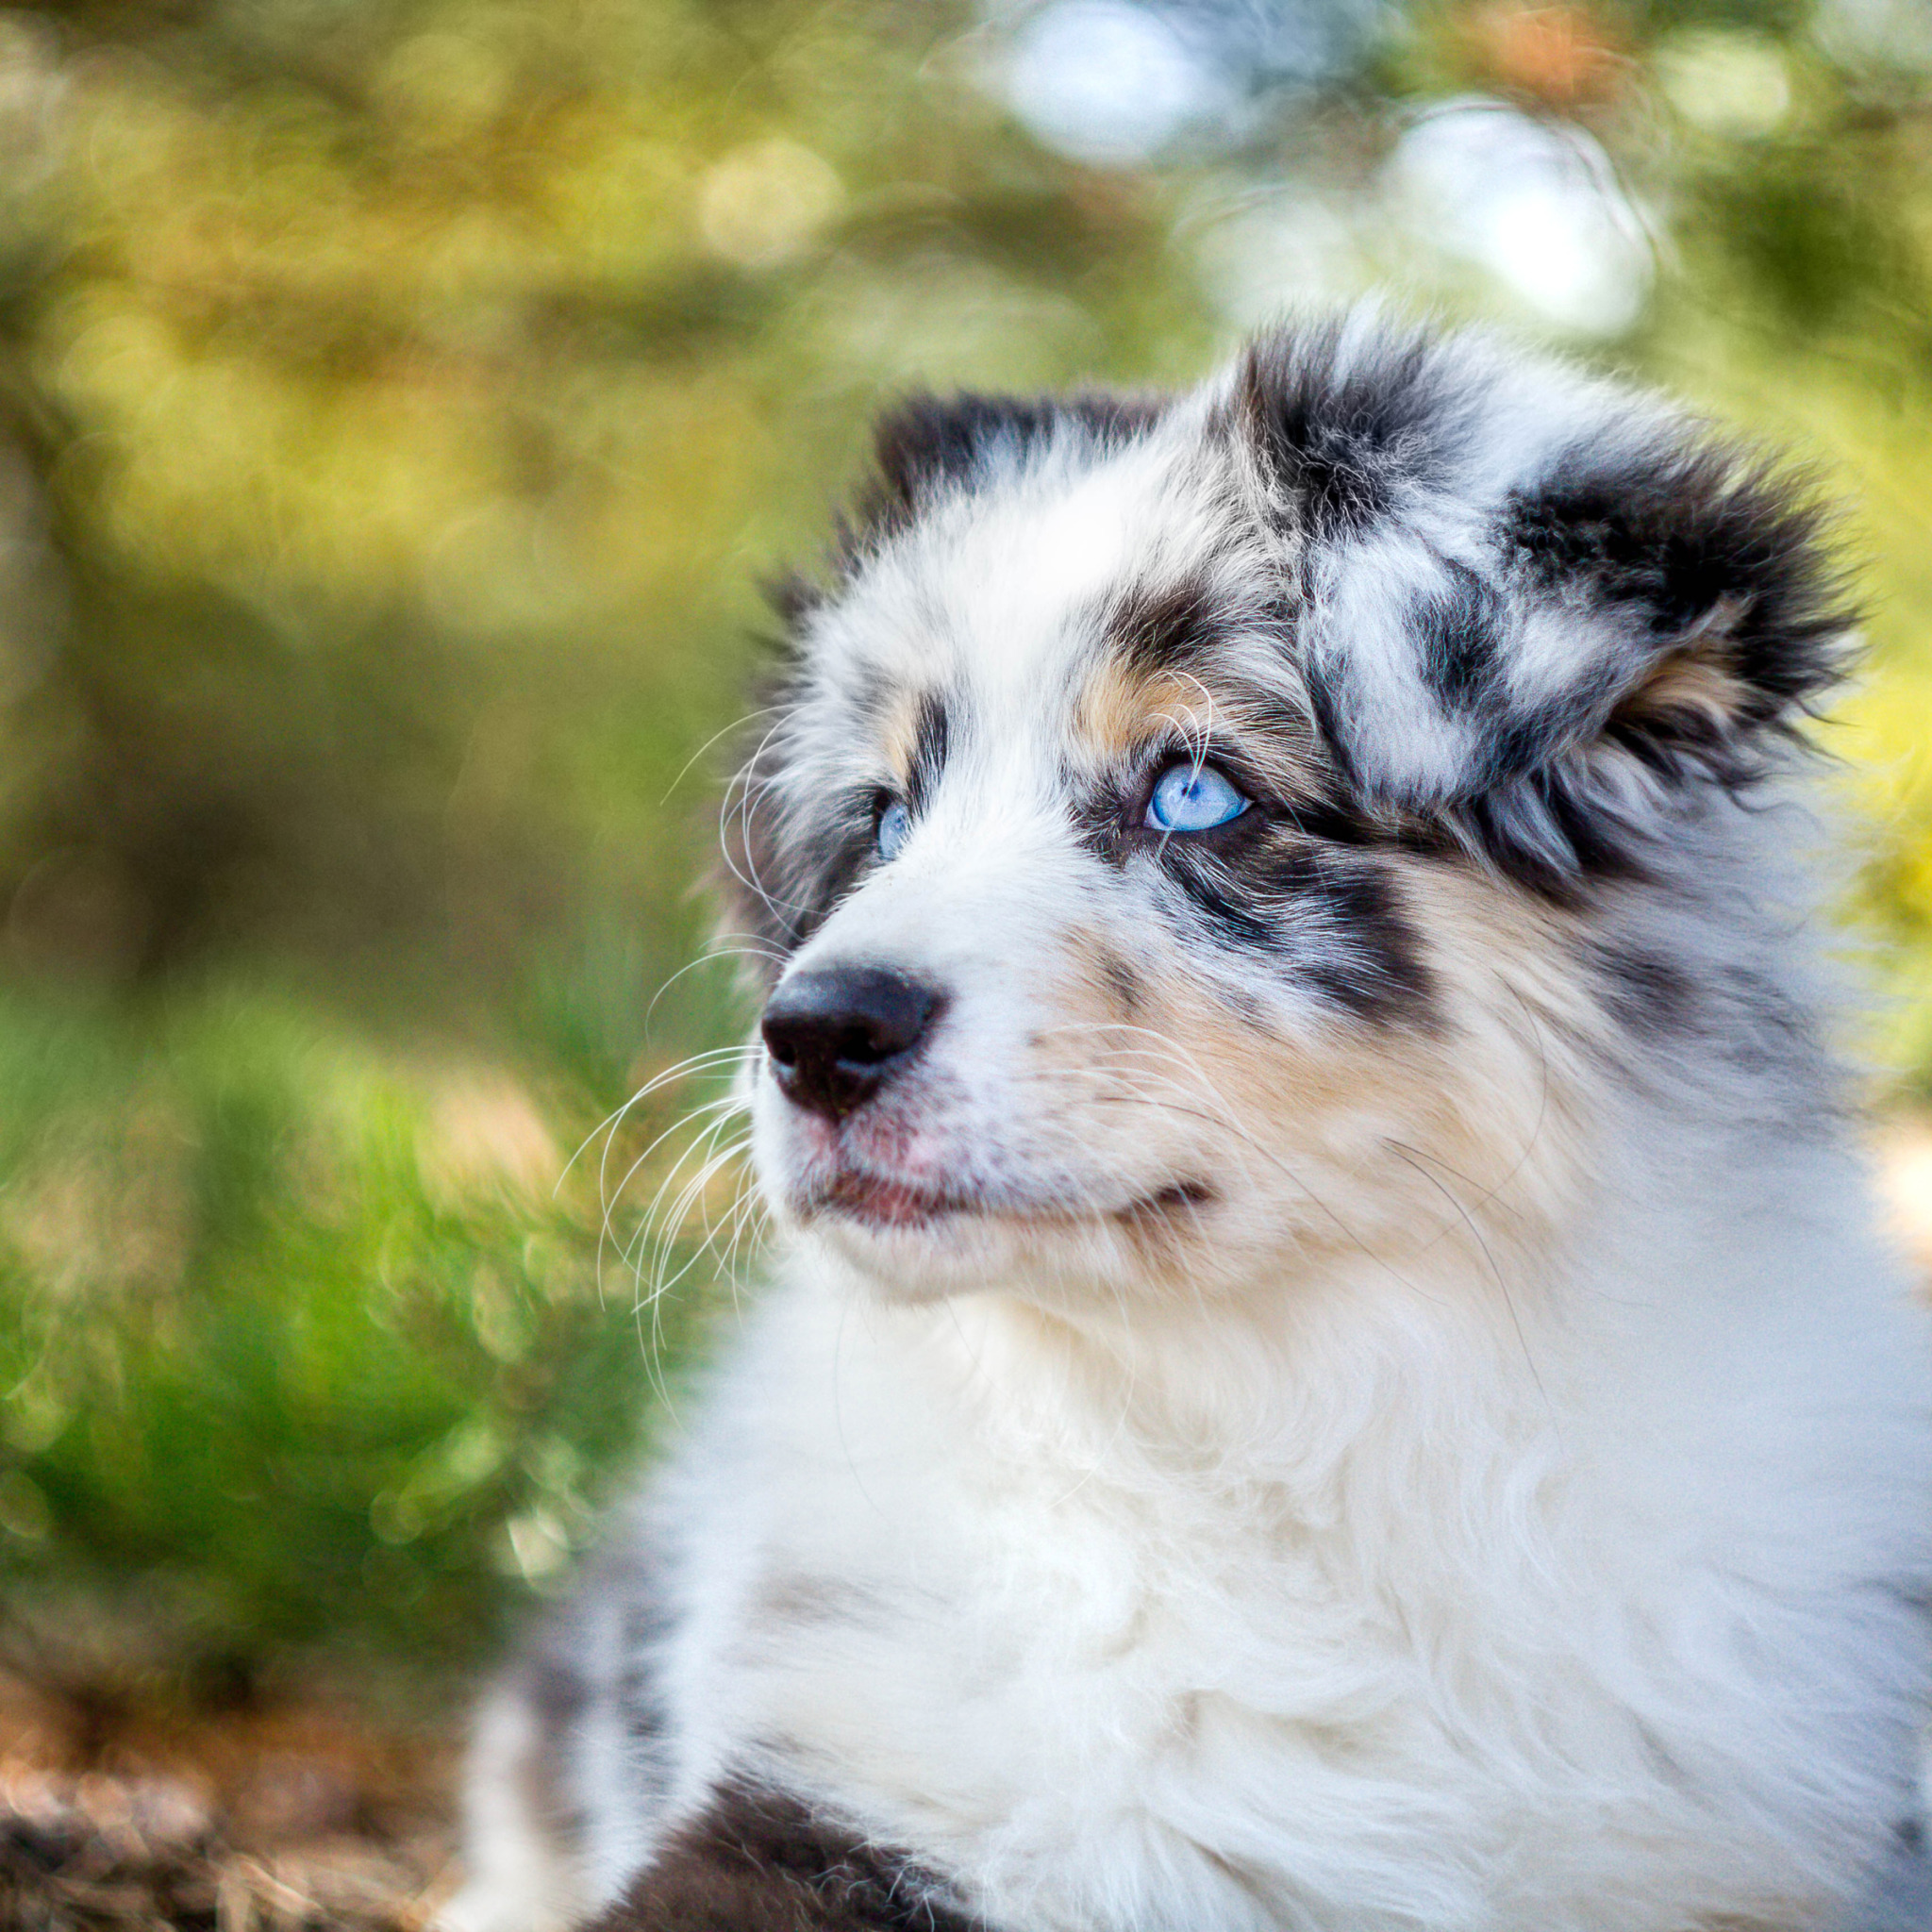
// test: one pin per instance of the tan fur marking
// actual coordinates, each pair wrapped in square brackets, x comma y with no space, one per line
[1695,678]
[1487,1167]
[1118,710]
[899,731]
[1686,681]
[1114,983]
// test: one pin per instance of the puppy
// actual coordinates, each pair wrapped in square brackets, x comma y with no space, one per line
[1328,1367]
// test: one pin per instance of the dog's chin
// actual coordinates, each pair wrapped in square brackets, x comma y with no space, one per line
[928,1259]
[914,1244]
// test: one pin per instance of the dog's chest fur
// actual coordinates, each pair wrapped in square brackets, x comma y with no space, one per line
[1266,1683]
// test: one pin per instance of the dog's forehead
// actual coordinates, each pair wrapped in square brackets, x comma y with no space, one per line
[1002,598]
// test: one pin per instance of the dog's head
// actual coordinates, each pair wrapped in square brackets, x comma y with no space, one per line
[1193,833]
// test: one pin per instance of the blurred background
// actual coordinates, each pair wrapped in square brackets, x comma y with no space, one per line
[401,402]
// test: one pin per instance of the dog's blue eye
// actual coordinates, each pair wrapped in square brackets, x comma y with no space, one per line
[895,824]
[1192,798]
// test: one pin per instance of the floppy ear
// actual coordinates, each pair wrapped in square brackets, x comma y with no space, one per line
[1534,607]
[924,443]
[1706,620]
[1555,677]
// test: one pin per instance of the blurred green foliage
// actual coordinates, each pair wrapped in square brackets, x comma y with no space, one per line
[300,1347]
[400,403]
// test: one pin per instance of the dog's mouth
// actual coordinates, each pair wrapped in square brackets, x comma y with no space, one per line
[886,1202]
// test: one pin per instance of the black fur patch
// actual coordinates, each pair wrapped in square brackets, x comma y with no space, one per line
[1762,1027]
[1715,560]
[1334,920]
[760,1860]
[1380,973]
[1337,439]
[1682,534]
[1461,635]
[927,443]
[1229,910]
[1647,993]
[931,740]
[1336,818]
[1169,626]
[1745,1016]
[1545,831]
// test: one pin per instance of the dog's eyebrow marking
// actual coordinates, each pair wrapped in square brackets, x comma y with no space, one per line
[932,733]
[1119,708]
[917,732]
[1156,628]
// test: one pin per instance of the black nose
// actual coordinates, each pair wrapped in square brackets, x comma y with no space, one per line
[835,1035]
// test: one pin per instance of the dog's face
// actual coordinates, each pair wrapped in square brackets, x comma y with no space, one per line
[1197,834]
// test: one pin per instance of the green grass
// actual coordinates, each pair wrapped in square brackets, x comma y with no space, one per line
[300,1347]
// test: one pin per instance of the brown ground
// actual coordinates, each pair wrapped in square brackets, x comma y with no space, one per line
[263,1820]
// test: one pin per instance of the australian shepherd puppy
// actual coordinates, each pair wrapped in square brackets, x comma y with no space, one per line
[1329,1367]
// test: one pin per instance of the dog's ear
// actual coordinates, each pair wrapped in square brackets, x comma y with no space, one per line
[1536,611]
[1677,616]
[926,444]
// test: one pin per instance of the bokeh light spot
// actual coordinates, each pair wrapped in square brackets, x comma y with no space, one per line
[1538,207]
[761,205]
[1109,82]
